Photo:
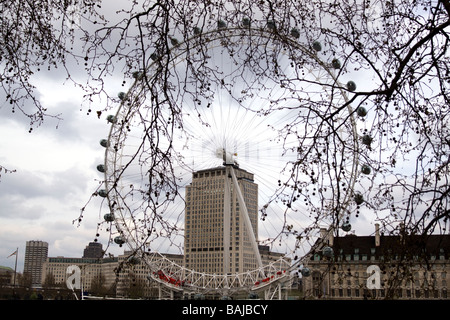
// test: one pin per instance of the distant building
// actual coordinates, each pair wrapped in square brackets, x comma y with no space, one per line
[280,260]
[36,253]
[118,276]
[93,250]
[6,276]
[380,267]
[54,271]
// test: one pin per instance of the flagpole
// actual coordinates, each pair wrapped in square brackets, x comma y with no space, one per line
[15,272]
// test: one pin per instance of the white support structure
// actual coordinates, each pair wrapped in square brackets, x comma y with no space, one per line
[226,224]
[244,214]
[164,292]
[174,278]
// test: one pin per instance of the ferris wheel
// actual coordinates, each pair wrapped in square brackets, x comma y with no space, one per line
[239,97]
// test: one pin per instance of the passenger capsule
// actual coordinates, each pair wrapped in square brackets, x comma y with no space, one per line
[246,22]
[295,33]
[197,31]
[346,227]
[121,95]
[351,86]
[306,272]
[359,199]
[199,296]
[133,260]
[102,193]
[221,24]
[101,168]
[317,46]
[174,41]
[365,169]
[336,64]
[366,139]
[119,240]
[361,111]
[253,295]
[104,143]
[111,119]
[109,217]
[327,252]
[271,25]
[137,74]
[154,56]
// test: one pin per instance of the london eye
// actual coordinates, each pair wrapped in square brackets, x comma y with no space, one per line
[246,96]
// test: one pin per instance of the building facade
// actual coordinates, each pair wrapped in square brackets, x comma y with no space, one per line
[36,253]
[380,267]
[204,246]
[93,271]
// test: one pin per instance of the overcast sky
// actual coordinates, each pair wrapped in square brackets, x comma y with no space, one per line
[55,175]
[55,168]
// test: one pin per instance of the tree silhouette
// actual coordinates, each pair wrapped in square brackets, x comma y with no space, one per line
[395,51]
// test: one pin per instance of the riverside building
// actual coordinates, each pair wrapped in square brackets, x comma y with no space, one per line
[205,221]
[380,267]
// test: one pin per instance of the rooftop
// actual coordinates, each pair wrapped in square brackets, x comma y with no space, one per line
[395,246]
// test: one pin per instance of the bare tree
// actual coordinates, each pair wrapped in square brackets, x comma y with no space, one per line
[398,101]
[36,37]
[404,47]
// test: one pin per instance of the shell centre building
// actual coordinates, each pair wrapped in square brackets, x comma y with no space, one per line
[217,235]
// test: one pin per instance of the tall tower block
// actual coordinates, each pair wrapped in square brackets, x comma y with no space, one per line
[206,217]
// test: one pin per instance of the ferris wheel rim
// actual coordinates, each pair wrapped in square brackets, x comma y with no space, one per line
[219,34]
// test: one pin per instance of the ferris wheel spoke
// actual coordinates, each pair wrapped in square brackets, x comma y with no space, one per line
[239,97]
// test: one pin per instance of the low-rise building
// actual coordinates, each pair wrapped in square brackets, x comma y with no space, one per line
[122,276]
[380,267]
[93,270]
[6,276]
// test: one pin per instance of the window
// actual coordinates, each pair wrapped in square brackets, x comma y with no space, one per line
[418,293]
[372,254]
[435,294]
